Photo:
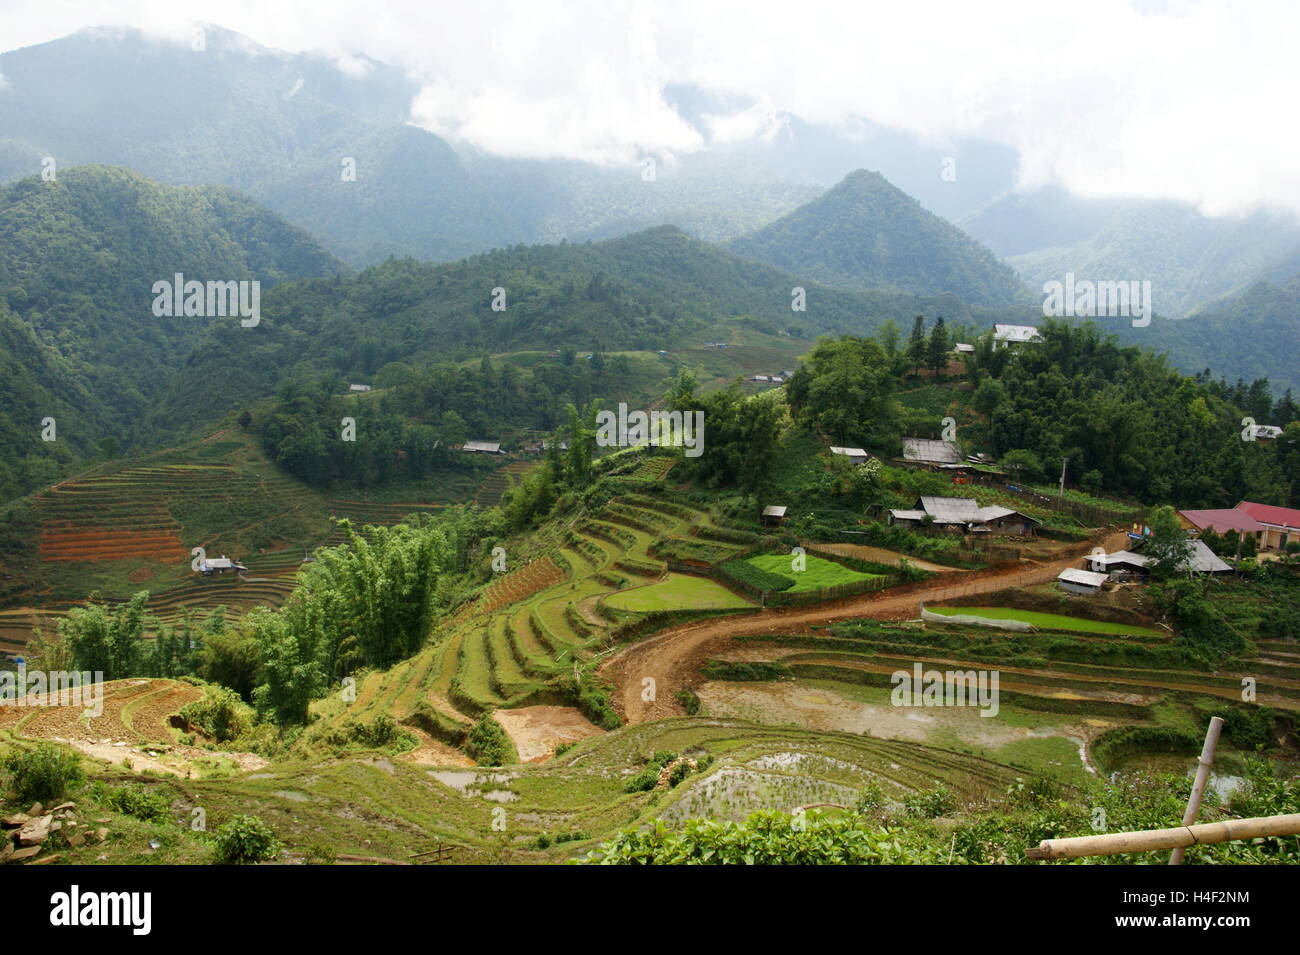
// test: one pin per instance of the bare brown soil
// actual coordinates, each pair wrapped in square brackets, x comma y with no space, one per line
[673,658]
[537,730]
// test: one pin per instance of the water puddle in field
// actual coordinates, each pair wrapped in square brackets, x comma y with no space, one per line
[1223,786]
[734,792]
[797,761]
[472,783]
[457,780]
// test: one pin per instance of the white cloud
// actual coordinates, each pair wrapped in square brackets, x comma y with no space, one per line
[1188,99]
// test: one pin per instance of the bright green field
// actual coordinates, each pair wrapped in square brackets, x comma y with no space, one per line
[1047,621]
[677,592]
[818,574]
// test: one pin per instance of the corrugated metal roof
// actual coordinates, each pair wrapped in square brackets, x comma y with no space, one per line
[1085,577]
[1205,561]
[851,452]
[952,510]
[1120,557]
[931,451]
[774,510]
[908,515]
[492,446]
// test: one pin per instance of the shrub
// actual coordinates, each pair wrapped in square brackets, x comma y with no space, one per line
[929,803]
[139,802]
[679,772]
[221,715]
[379,732]
[746,672]
[488,743]
[765,838]
[689,701]
[319,854]
[243,841]
[43,773]
[871,799]
[643,781]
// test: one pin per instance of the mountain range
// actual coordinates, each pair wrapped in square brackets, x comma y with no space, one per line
[135,158]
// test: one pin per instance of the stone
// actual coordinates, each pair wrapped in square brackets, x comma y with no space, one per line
[45,861]
[35,810]
[76,839]
[63,806]
[35,831]
[14,821]
[101,834]
[23,854]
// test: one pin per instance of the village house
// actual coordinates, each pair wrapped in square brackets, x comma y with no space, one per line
[1281,524]
[1121,565]
[774,515]
[1128,565]
[483,447]
[219,565]
[358,387]
[1272,527]
[855,455]
[964,515]
[1223,520]
[1005,336]
[1083,582]
[930,452]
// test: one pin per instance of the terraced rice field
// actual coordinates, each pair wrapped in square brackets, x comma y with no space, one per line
[653,469]
[506,649]
[817,574]
[495,485]
[130,711]
[1048,621]
[676,591]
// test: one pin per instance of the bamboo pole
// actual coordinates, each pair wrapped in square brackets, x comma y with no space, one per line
[1148,840]
[1202,777]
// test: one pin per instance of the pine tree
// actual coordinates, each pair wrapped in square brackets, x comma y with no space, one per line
[937,352]
[916,347]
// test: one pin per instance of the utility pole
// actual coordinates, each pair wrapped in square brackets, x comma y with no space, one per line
[1064,461]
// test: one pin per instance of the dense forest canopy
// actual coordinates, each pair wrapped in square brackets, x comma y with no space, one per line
[865,233]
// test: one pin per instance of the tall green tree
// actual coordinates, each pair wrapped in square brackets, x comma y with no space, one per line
[916,345]
[1168,547]
[844,390]
[937,348]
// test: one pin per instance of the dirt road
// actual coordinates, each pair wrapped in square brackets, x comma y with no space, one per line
[673,658]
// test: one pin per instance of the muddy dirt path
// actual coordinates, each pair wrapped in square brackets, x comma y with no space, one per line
[673,658]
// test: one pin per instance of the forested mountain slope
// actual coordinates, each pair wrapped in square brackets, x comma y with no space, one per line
[78,260]
[865,233]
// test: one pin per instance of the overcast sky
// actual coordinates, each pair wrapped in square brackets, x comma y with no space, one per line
[1182,99]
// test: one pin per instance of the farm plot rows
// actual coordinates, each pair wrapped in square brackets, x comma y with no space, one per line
[495,484]
[131,711]
[527,629]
